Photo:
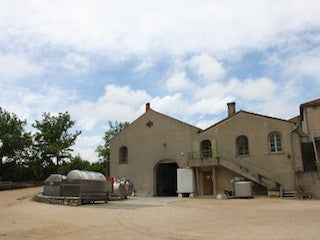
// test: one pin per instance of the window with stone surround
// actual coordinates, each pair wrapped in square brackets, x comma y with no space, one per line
[123,155]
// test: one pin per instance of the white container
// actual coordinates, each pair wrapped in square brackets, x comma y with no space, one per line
[185,181]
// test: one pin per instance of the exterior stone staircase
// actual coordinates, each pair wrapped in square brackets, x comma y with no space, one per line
[249,169]
[290,194]
[242,166]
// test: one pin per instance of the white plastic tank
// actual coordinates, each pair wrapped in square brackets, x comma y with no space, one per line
[185,180]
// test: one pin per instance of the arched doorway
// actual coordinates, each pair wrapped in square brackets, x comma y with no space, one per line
[166,179]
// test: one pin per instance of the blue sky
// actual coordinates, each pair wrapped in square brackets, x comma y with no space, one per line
[103,60]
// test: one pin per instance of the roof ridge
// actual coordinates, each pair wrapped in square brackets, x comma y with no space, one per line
[266,116]
[313,102]
[175,119]
[252,113]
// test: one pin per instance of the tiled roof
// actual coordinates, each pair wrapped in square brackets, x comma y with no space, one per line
[255,114]
[175,119]
[312,103]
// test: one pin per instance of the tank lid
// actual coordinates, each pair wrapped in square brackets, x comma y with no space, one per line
[55,178]
[86,175]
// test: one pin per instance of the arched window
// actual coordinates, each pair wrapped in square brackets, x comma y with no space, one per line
[242,145]
[123,155]
[275,144]
[206,151]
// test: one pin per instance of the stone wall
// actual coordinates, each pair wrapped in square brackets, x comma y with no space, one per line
[308,185]
[73,201]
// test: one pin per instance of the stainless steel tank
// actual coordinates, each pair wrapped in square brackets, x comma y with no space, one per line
[118,189]
[243,189]
[122,187]
[86,175]
[52,185]
[89,186]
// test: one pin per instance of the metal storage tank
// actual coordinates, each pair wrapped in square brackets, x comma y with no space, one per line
[122,187]
[89,186]
[52,185]
[86,175]
[243,189]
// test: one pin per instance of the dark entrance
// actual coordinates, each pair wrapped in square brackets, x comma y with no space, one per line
[167,179]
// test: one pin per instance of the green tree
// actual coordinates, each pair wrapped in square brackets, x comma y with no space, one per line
[14,140]
[75,163]
[114,128]
[53,139]
[104,149]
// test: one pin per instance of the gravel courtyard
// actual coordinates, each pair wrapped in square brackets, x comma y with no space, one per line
[159,218]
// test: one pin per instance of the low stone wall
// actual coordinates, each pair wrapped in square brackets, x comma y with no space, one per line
[9,185]
[73,201]
[308,185]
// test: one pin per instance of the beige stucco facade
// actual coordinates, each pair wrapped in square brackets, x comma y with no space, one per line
[257,129]
[165,140]
[155,139]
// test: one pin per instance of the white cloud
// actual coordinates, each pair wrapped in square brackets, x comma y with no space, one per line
[211,105]
[207,123]
[30,104]
[16,67]
[207,67]
[76,63]
[116,104]
[253,89]
[173,105]
[248,89]
[305,64]
[178,82]
[120,29]
[85,146]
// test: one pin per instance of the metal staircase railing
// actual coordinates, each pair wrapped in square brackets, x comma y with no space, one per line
[242,163]
[251,166]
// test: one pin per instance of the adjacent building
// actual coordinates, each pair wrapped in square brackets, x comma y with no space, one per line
[274,153]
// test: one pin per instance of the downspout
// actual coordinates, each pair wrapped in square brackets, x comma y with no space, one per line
[295,127]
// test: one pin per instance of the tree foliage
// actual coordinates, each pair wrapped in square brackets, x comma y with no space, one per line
[48,150]
[78,163]
[53,139]
[14,139]
[114,128]
[104,149]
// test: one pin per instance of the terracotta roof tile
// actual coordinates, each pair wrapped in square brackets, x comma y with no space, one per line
[256,114]
[315,102]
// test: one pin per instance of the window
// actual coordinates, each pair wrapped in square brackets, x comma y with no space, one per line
[206,151]
[275,144]
[123,155]
[242,145]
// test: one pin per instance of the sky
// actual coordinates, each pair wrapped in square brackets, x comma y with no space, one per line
[103,60]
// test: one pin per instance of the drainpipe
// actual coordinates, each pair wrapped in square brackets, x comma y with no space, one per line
[295,127]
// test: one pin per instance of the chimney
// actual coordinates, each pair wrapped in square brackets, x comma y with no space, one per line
[231,109]
[147,107]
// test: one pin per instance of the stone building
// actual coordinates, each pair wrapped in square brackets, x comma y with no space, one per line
[272,152]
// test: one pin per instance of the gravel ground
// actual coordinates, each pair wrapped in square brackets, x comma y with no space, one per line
[159,218]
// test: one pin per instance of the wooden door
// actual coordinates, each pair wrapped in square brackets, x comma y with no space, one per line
[207,183]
